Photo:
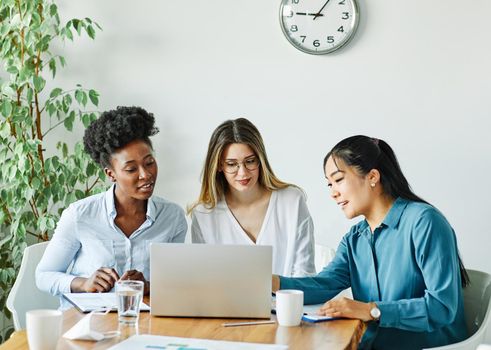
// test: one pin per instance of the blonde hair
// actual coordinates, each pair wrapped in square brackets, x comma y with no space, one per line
[213,182]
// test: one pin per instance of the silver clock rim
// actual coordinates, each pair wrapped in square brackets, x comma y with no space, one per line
[325,51]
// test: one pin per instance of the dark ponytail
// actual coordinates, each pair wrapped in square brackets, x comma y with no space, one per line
[364,154]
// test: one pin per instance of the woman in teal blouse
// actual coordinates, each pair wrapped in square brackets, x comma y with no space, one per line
[401,262]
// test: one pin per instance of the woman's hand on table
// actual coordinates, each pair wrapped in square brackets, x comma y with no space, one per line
[100,281]
[348,308]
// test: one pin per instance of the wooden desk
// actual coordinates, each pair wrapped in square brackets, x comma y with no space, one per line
[339,334]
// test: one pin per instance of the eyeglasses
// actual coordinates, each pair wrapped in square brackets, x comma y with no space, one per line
[233,167]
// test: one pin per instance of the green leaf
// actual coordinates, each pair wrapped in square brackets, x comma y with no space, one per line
[3,216]
[4,132]
[26,73]
[91,169]
[77,24]
[12,173]
[64,150]
[51,108]
[70,198]
[36,183]
[55,92]
[81,97]
[7,44]
[12,70]
[79,194]
[53,10]
[8,90]
[15,20]
[43,44]
[86,120]
[94,97]
[52,66]
[19,149]
[55,161]
[62,61]
[68,33]
[93,117]
[36,21]
[29,95]
[50,223]
[4,29]
[39,83]
[68,122]
[6,108]
[90,31]
[67,102]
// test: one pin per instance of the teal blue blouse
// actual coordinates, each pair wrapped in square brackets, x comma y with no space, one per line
[408,267]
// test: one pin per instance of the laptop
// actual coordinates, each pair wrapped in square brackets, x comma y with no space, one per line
[203,280]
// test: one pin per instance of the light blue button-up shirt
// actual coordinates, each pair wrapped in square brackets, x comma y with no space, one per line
[409,267]
[86,238]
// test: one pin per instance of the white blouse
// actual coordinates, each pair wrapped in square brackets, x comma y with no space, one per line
[287,227]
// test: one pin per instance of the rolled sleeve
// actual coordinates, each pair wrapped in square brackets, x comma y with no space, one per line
[51,273]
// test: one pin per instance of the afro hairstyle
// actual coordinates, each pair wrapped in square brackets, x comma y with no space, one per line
[115,129]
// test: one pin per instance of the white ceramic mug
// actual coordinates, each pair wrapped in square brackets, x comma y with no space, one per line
[289,307]
[43,328]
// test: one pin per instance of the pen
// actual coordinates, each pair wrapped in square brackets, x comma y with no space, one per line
[233,324]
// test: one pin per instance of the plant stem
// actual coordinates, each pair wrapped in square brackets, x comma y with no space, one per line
[87,191]
[21,35]
[35,235]
[56,125]
[9,216]
[32,203]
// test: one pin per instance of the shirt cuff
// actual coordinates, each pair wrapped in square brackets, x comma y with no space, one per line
[283,282]
[65,282]
[389,314]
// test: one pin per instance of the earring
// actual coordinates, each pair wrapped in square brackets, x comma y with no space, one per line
[372,184]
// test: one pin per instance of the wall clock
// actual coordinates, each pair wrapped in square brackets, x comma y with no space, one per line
[319,27]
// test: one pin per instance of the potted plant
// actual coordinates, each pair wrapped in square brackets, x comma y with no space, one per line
[37,183]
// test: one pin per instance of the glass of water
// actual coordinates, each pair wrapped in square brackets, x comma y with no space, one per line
[129,294]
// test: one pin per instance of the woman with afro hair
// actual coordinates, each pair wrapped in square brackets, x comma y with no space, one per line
[106,237]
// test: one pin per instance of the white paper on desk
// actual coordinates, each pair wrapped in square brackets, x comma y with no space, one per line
[81,330]
[87,302]
[137,342]
[309,312]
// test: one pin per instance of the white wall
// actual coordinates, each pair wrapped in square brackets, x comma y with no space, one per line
[417,74]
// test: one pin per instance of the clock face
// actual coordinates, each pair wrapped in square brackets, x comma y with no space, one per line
[319,26]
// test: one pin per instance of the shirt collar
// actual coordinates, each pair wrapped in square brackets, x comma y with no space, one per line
[111,205]
[151,209]
[109,199]
[391,219]
[394,215]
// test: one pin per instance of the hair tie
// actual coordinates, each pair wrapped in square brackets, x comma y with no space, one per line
[375,140]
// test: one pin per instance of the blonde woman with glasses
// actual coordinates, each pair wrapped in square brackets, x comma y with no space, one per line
[243,202]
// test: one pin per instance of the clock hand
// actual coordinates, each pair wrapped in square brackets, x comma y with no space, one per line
[308,14]
[318,14]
